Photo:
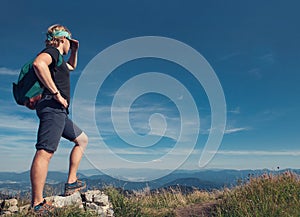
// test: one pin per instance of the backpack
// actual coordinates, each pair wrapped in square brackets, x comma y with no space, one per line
[28,89]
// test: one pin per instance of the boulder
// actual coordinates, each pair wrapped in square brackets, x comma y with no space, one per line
[95,201]
[60,201]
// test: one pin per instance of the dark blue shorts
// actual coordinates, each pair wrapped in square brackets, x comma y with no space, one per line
[54,124]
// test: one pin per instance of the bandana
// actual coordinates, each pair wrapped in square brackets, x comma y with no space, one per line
[59,33]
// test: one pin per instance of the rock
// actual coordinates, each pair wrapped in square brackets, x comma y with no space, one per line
[95,201]
[89,196]
[60,201]
[100,211]
[13,202]
[25,209]
[8,203]
[6,213]
[101,199]
[110,212]
[13,209]
[97,197]
[98,202]
[92,206]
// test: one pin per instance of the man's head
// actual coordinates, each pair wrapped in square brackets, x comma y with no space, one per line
[57,34]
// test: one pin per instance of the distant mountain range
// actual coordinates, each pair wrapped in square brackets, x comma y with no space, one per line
[11,182]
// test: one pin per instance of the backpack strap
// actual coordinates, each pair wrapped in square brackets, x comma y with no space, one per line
[60,60]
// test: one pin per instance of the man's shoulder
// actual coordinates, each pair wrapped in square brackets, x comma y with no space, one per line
[50,50]
[53,52]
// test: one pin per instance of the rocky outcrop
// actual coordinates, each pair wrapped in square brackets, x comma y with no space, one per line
[9,206]
[92,201]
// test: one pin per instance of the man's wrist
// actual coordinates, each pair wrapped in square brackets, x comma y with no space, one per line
[56,93]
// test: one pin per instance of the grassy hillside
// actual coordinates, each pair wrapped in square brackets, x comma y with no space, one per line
[263,196]
[267,195]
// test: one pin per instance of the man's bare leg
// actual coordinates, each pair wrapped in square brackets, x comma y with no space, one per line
[75,157]
[38,175]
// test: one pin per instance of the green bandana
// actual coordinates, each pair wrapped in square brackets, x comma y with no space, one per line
[59,33]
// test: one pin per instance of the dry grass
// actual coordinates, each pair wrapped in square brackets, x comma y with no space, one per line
[267,195]
[162,203]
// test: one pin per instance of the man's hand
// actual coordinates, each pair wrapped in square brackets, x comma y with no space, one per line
[74,44]
[61,100]
[72,62]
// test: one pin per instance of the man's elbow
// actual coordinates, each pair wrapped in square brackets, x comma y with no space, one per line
[37,66]
[71,67]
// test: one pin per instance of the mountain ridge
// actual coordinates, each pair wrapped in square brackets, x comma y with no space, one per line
[201,179]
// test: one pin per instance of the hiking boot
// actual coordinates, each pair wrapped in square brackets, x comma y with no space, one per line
[43,209]
[74,187]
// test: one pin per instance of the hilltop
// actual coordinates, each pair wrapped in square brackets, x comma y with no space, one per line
[268,194]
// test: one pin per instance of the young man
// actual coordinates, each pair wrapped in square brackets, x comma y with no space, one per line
[52,110]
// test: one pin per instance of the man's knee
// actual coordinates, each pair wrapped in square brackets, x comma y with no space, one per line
[82,140]
[47,155]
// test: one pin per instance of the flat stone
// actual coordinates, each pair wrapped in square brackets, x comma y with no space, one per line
[92,206]
[13,209]
[101,199]
[109,213]
[13,202]
[60,201]
[7,213]
[24,209]
[91,194]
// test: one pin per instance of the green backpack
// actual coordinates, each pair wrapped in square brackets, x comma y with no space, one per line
[28,89]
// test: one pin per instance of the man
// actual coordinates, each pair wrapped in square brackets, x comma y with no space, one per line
[52,110]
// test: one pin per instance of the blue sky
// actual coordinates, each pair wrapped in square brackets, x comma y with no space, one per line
[253,48]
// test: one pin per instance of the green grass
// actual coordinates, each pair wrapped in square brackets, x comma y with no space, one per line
[265,196]
[162,203]
[268,195]
[122,206]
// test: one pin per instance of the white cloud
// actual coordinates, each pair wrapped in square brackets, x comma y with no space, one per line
[256,72]
[7,71]
[17,123]
[235,110]
[267,58]
[260,153]
[230,56]
[139,120]
[228,130]
[18,128]
[235,130]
